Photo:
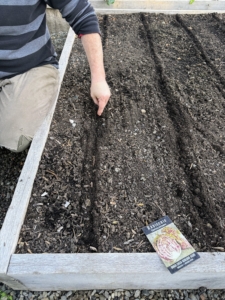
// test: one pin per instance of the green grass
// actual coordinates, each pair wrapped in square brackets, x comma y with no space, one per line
[110,1]
[4,296]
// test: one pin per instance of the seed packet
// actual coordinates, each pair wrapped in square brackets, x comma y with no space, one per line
[170,244]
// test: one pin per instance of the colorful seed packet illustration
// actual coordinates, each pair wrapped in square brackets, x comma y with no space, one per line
[170,244]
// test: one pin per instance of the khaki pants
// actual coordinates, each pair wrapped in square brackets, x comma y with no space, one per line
[25,100]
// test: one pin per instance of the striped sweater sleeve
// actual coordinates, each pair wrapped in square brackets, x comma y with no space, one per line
[24,38]
[79,14]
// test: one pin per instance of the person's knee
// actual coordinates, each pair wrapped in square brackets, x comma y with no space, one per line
[23,143]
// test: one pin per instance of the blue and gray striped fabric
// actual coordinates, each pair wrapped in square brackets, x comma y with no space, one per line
[24,38]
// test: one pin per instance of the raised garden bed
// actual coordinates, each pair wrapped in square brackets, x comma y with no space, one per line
[157,149]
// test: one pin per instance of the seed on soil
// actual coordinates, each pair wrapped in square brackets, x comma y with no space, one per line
[93,249]
[44,194]
[189,224]
[115,222]
[219,248]
[67,204]
[117,249]
[60,229]
[88,202]
[128,242]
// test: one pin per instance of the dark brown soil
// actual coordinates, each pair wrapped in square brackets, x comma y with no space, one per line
[158,148]
[11,166]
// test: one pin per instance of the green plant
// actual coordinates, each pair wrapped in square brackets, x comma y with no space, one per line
[191,1]
[4,296]
[110,1]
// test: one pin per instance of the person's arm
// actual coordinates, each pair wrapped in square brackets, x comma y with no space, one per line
[100,91]
[82,18]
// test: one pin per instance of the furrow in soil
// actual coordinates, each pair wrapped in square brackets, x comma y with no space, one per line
[187,27]
[132,172]
[186,141]
[220,23]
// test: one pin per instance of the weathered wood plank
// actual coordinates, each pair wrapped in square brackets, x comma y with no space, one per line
[111,11]
[151,6]
[12,283]
[56,24]
[16,213]
[112,271]
[162,5]
[55,21]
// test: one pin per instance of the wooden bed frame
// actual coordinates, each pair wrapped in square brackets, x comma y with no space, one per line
[42,272]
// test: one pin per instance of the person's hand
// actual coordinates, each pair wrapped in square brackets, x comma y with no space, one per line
[100,93]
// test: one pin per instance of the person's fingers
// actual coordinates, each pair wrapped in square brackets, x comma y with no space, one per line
[100,93]
[101,106]
[94,98]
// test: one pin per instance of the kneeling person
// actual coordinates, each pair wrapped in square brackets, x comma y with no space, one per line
[29,78]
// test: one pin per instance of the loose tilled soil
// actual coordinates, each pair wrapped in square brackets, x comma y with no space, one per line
[11,165]
[158,148]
